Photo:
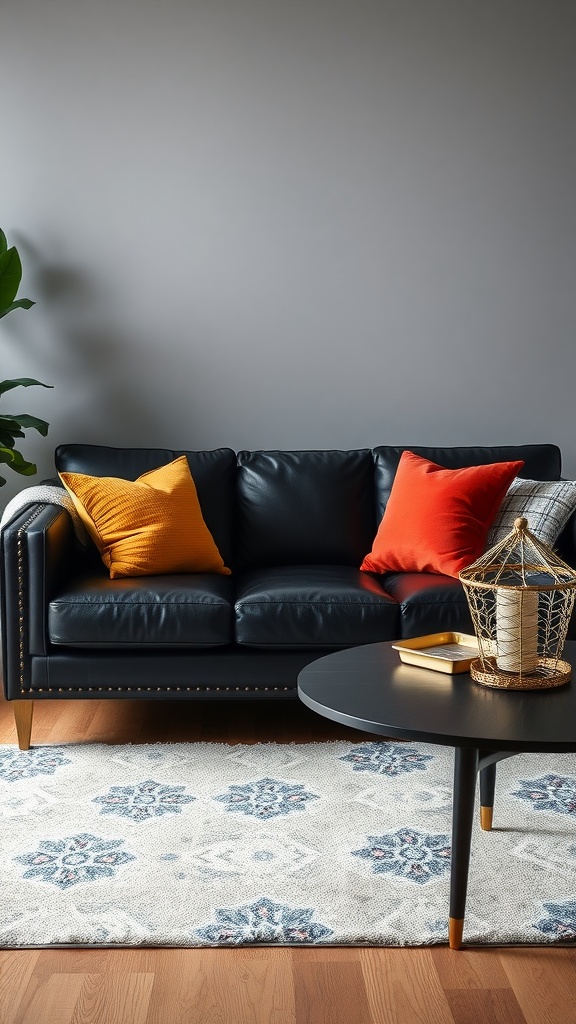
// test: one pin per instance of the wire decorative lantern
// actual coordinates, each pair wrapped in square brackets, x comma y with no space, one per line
[521,597]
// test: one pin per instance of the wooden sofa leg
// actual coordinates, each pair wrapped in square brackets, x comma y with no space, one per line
[23,710]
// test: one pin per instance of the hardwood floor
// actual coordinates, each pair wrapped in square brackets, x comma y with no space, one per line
[531,985]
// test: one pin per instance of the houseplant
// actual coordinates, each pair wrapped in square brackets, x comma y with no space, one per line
[12,426]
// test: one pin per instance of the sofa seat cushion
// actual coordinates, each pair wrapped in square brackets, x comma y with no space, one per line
[313,606]
[157,611]
[429,603]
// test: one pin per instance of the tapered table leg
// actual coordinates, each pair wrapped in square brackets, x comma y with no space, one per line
[23,718]
[466,760]
[487,787]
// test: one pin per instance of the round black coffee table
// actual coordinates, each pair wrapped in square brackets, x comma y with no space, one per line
[369,688]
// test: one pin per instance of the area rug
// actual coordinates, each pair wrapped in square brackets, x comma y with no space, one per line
[204,844]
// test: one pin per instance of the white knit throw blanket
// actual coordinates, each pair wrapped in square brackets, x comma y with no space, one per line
[47,494]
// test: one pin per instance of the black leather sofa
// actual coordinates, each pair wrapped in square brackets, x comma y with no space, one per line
[293,526]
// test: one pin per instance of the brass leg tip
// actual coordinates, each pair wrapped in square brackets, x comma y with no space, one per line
[486,814]
[455,930]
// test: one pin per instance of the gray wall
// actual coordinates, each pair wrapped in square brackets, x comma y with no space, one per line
[292,223]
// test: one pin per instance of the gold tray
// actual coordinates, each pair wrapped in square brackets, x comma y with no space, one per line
[443,652]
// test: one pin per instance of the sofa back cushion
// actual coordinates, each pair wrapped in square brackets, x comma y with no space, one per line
[304,507]
[541,462]
[213,473]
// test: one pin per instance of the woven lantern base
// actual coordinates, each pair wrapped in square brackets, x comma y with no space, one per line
[549,673]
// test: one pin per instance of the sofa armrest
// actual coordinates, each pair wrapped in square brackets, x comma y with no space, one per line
[38,553]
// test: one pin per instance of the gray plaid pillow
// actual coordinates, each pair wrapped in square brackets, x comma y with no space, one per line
[546,504]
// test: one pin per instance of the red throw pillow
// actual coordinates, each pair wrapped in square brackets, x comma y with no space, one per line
[437,519]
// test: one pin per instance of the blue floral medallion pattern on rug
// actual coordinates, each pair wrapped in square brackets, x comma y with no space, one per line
[144,801]
[386,758]
[561,921]
[282,845]
[81,858]
[264,921]
[549,793]
[415,856]
[266,798]
[16,765]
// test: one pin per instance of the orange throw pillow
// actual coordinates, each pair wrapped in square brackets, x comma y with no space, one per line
[437,519]
[149,526]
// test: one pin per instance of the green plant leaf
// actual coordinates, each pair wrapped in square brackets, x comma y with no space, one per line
[14,425]
[18,304]
[21,382]
[10,276]
[8,434]
[23,420]
[17,462]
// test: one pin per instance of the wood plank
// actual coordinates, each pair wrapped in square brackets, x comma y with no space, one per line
[402,985]
[45,714]
[107,999]
[49,998]
[73,724]
[467,968]
[330,990]
[484,1006]
[55,960]
[16,970]
[113,721]
[206,986]
[544,982]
